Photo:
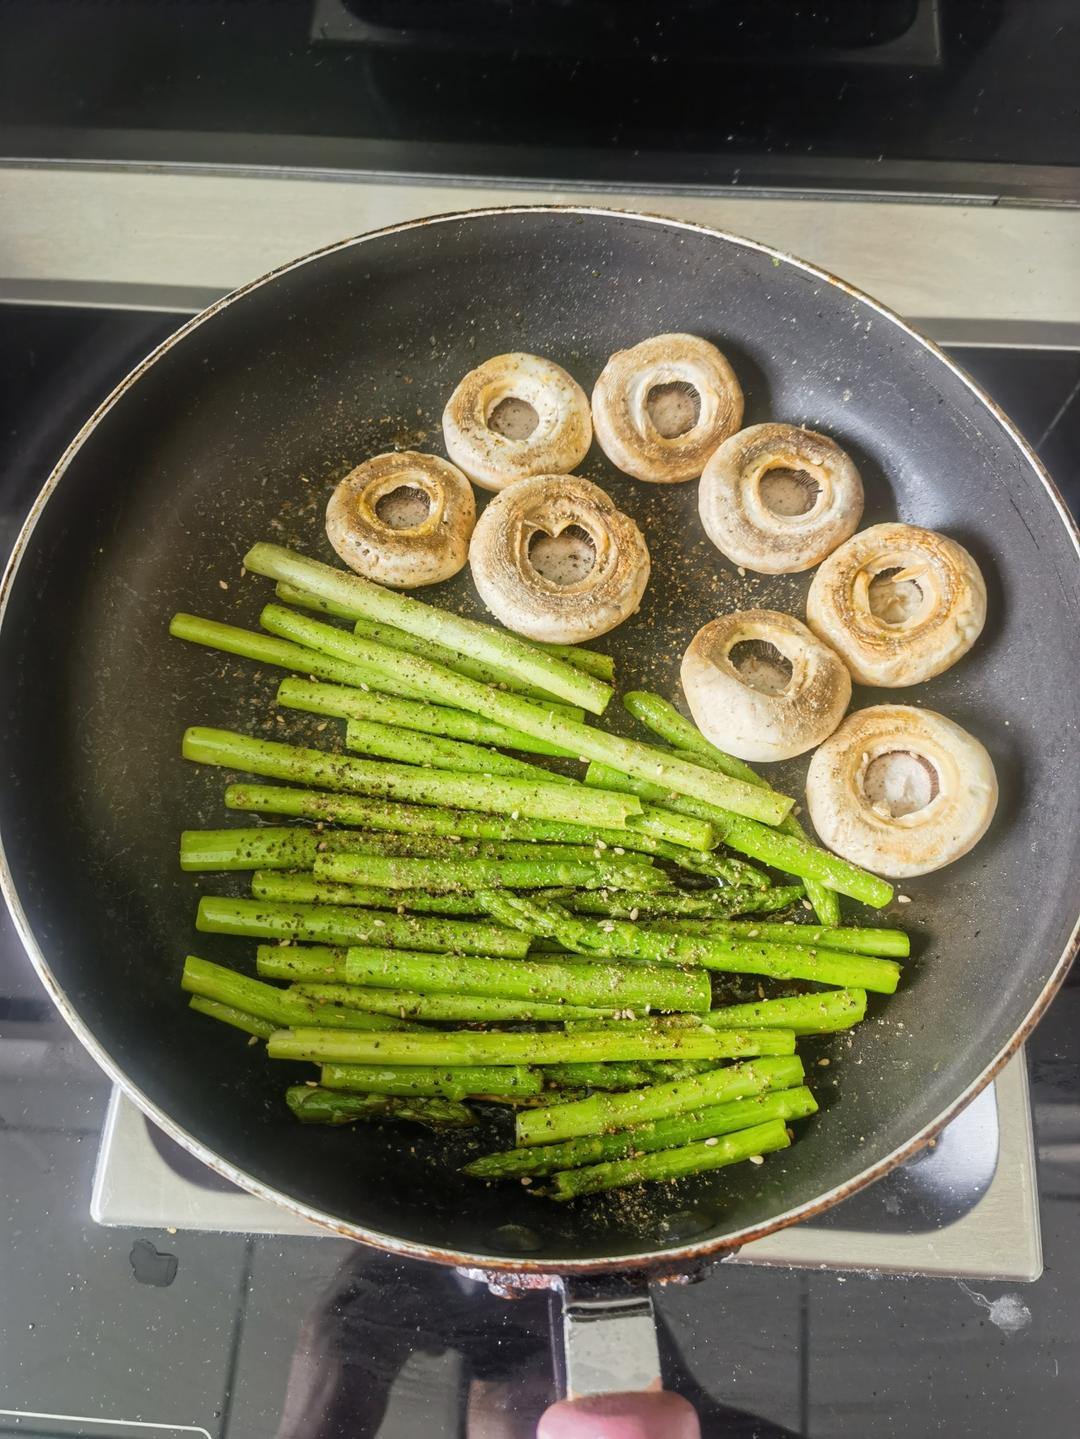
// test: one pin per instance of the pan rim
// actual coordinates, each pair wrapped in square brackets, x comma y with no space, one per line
[668,1259]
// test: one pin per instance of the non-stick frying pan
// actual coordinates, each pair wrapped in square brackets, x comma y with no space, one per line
[237,428]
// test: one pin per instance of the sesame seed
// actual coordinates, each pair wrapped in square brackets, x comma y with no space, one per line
[824,1063]
[711,1143]
[903,899]
[757,1159]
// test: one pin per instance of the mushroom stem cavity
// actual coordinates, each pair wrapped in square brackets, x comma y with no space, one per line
[404,508]
[761,666]
[674,408]
[900,782]
[565,558]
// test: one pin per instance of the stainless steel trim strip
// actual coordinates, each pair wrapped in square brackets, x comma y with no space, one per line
[174,238]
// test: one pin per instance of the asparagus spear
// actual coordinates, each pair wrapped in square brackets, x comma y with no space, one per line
[591,661]
[601,1113]
[306,889]
[447,687]
[671,1133]
[664,719]
[442,1008]
[887,943]
[668,1164]
[391,872]
[327,1046]
[332,924]
[599,985]
[214,981]
[617,939]
[668,904]
[782,851]
[508,1081]
[306,963]
[823,1013]
[229,1014]
[644,833]
[411,747]
[515,797]
[344,703]
[328,1106]
[268,650]
[484,642]
[621,1075]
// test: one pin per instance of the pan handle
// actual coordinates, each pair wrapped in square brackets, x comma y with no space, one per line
[608,1367]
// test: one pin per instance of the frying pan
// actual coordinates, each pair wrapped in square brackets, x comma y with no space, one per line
[236,429]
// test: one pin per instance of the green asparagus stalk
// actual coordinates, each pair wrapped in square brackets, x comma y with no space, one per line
[498,1047]
[669,904]
[824,1013]
[441,1008]
[668,1164]
[266,847]
[341,702]
[591,661]
[302,963]
[465,637]
[410,747]
[515,797]
[646,833]
[664,719]
[446,687]
[621,1076]
[602,986]
[332,924]
[509,1081]
[229,1014]
[886,943]
[306,889]
[782,851]
[268,650]
[391,872]
[680,1129]
[601,1113]
[328,1106]
[214,981]
[618,939]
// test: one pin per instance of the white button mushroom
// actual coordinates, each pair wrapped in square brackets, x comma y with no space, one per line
[898,604]
[403,519]
[514,416]
[762,687]
[778,498]
[901,791]
[661,408]
[554,559]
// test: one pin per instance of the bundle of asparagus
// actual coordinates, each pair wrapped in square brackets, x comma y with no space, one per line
[436,883]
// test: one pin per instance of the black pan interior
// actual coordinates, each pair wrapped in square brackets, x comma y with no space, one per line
[238,433]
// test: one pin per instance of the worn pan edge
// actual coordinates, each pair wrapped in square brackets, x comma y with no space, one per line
[667,1259]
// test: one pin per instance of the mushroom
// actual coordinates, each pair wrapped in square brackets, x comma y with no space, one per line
[762,687]
[898,604]
[661,408]
[514,416]
[901,791]
[403,519]
[778,498]
[554,559]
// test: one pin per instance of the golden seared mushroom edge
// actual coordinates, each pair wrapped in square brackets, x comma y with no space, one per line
[662,407]
[553,559]
[777,499]
[762,687]
[403,519]
[899,604]
[901,791]
[515,416]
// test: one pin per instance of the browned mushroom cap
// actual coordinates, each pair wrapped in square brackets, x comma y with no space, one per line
[514,416]
[554,559]
[898,604]
[762,687]
[661,408]
[403,519]
[901,791]
[778,498]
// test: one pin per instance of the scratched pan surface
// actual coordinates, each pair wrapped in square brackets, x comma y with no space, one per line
[238,430]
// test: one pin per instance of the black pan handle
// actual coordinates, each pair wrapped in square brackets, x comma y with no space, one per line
[608,1366]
